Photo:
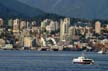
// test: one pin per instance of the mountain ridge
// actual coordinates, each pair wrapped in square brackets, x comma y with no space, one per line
[88,9]
[13,8]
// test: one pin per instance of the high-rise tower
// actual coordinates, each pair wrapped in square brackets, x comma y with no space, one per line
[64,27]
[98,27]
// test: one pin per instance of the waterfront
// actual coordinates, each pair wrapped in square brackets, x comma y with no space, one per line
[49,61]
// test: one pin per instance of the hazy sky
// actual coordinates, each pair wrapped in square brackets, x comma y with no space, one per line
[73,8]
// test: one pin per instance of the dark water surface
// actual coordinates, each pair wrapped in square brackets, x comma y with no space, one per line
[49,61]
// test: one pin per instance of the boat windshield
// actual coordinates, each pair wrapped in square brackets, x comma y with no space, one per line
[81,57]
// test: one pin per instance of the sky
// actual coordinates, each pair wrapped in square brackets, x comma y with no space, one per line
[72,8]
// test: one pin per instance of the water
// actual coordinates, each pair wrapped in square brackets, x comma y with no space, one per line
[49,61]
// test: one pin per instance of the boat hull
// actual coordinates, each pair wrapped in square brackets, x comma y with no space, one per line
[83,62]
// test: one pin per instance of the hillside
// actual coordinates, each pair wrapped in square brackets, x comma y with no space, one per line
[13,8]
[88,9]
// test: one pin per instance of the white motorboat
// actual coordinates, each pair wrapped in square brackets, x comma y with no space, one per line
[83,60]
[102,51]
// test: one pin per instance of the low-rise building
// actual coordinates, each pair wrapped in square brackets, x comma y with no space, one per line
[2,42]
[27,42]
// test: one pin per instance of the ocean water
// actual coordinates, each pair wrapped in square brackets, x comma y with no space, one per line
[49,61]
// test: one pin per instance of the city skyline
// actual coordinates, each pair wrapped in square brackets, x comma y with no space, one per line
[52,34]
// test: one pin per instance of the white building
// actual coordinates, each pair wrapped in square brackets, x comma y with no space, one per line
[33,23]
[43,42]
[16,24]
[72,32]
[64,26]
[52,25]
[23,25]
[10,22]
[1,21]
[98,27]
[44,23]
